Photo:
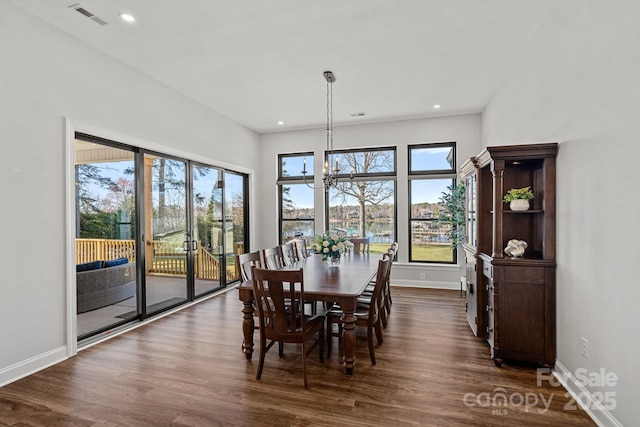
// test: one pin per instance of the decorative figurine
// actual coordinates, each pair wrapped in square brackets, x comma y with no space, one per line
[515,248]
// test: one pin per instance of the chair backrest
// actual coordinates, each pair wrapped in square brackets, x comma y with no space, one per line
[244,262]
[301,247]
[360,245]
[289,253]
[279,296]
[382,277]
[272,258]
[393,250]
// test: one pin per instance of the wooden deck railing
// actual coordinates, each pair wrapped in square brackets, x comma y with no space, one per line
[165,257]
[207,266]
[88,250]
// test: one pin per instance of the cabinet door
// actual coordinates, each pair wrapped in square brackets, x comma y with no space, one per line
[471,302]
[522,326]
[471,226]
[525,314]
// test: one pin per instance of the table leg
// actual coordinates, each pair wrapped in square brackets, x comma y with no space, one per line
[349,338]
[247,327]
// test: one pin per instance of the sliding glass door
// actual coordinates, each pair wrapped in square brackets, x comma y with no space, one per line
[152,232]
[105,235]
[207,208]
[234,221]
[167,240]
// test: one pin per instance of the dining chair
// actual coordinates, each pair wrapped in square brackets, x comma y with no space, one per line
[393,250]
[289,253]
[301,247]
[360,245]
[244,262]
[367,315]
[272,258]
[279,296]
[386,291]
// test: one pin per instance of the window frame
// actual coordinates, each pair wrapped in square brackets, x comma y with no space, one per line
[292,180]
[423,175]
[372,176]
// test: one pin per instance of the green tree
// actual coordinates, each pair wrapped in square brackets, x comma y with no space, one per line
[452,213]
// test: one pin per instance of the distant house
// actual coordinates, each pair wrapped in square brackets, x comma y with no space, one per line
[425,213]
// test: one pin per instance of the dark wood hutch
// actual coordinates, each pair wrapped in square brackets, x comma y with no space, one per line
[511,302]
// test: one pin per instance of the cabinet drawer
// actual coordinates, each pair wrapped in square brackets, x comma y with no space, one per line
[532,275]
[487,270]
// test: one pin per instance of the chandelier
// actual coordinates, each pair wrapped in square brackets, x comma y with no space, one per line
[329,171]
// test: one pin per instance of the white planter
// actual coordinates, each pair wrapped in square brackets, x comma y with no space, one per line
[519,205]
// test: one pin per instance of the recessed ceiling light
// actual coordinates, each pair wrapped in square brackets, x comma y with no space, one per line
[280,122]
[127,17]
[436,106]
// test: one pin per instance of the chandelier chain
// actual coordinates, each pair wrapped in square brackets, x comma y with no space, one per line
[330,172]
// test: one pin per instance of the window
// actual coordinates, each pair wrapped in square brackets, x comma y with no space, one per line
[363,202]
[432,173]
[296,197]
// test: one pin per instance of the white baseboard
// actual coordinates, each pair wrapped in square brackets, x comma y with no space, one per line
[583,397]
[31,366]
[426,284]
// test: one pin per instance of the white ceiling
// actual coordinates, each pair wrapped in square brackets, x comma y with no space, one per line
[261,61]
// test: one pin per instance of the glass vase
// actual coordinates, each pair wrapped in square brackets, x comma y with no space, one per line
[334,261]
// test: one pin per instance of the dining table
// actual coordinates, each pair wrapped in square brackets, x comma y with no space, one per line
[323,282]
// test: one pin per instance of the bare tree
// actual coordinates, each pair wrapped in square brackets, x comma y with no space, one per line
[364,192]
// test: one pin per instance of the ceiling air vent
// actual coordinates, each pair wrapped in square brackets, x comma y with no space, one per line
[358,114]
[88,14]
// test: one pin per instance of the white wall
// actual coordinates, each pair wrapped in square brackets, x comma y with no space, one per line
[577,82]
[46,76]
[464,129]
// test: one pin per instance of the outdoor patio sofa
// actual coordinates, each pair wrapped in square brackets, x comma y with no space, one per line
[103,283]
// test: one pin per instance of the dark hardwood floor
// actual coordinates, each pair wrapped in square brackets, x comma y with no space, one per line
[188,369]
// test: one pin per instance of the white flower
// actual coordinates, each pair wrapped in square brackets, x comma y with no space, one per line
[334,237]
[334,248]
[325,250]
[325,243]
[341,245]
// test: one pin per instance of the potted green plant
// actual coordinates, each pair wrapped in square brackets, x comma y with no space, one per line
[518,198]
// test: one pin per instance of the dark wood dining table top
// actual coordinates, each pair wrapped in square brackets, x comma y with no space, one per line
[348,279]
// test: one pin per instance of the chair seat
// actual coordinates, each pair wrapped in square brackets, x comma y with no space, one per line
[362,311]
[364,300]
[312,323]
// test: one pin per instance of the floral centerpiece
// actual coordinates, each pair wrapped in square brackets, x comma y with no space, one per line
[331,246]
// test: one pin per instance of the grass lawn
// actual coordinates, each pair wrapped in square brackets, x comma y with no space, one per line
[432,253]
[420,252]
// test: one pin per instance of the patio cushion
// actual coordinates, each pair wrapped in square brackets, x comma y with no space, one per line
[87,266]
[114,262]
